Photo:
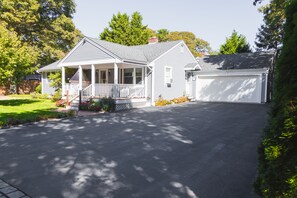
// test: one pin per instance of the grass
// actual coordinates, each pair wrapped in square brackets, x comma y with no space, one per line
[22,109]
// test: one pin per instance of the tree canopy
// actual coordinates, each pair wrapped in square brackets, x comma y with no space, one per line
[277,173]
[196,45]
[44,24]
[17,59]
[271,33]
[126,30]
[236,43]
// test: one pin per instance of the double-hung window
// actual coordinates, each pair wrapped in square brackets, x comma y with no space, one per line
[168,75]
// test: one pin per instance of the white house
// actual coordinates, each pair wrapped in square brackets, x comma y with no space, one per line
[139,75]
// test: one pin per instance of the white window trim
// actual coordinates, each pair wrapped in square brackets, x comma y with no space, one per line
[171,74]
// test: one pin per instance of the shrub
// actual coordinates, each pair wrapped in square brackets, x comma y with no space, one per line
[162,102]
[107,104]
[180,100]
[38,88]
[57,95]
[60,103]
[84,106]
[35,95]
[94,106]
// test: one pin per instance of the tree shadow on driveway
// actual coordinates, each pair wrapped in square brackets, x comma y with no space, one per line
[180,151]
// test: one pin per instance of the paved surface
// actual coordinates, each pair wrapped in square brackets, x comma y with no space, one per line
[191,150]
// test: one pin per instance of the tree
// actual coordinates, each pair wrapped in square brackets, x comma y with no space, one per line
[163,35]
[191,41]
[126,31]
[17,59]
[236,43]
[45,24]
[203,46]
[270,34]
[277,173]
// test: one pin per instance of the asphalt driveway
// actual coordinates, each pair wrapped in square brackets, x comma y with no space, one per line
[191,150]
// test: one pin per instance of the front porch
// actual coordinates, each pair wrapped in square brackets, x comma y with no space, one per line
[115,80]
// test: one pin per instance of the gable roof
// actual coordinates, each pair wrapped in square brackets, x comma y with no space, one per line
[153,51]
[50,67]
[254,60]
[123,52]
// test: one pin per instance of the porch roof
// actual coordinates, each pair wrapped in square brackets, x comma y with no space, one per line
[49,68]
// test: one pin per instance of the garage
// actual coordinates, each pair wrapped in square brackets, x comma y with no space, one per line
[240,78]
[231,88]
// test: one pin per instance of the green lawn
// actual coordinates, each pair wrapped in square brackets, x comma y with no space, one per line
[22,108]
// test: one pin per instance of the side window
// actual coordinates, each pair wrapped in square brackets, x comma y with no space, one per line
[168,75]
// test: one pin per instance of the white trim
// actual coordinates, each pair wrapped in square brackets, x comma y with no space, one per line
[167,53]
[195,60]
[115,73]
[171,74]
[80,74]
[145,83]
[93,78]
[63,81]
[266,87]
[153,84]
[241,72]
[91,62]
[77,45]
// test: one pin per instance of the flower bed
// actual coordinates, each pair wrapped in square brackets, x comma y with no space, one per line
[162,102]
[103,104]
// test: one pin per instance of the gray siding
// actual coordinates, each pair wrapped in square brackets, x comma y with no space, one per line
[46,88]
[177,60]
[86,51]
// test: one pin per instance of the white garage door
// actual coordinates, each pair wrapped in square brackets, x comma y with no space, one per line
[229,89]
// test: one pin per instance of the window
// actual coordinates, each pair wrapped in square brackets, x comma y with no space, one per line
[138,76]
[128,76]
[168,75]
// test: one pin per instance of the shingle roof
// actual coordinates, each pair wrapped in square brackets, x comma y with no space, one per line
[191,66]
[143,53]
[254,60]
[153,51]
[121,51]
[50,67]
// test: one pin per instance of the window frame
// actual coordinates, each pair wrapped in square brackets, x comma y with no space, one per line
[170,76]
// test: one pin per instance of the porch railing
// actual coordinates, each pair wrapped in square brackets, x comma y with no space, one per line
[108,90]
[119,91]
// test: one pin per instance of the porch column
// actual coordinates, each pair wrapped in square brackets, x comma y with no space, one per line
[80,76]
[115,80]
[145,82]
[116,73]
[63,82]
[93,79]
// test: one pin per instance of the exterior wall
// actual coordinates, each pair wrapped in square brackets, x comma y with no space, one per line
[86,51]
[176,59]
[46,88]
[248,86]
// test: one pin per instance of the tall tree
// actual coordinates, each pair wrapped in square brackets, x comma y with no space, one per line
[188,37]
[270,34]
[236,43]
[46,24]
[277,172]
[163,35]
[16,58]
[126,30]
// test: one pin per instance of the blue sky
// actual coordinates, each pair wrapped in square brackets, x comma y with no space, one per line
[211,20]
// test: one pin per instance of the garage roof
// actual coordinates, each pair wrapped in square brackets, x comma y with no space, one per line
[254,60]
